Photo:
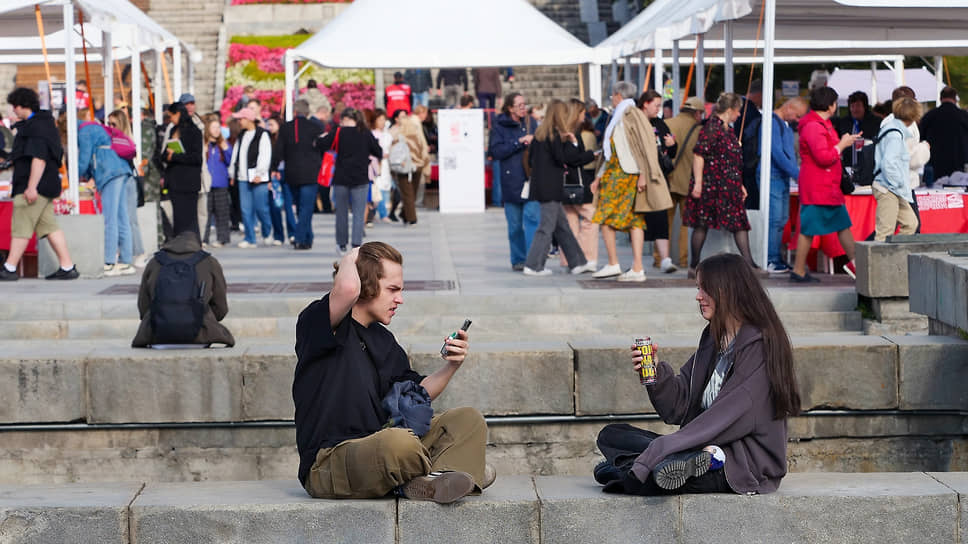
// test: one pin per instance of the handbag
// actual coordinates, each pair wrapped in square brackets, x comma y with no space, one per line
[328,167]
[665,161]
[846,182]
[573,193]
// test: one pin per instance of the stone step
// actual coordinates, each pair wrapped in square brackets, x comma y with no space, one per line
[637,303]
[914,507]
[819,442]
[96,382]
[508,328]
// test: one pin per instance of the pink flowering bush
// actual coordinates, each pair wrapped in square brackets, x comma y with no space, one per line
[261,67]
[244,2]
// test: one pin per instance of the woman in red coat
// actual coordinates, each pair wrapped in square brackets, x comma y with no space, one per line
[822,208]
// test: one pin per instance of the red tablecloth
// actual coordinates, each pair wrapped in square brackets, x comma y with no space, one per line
[940,213]
[6,214]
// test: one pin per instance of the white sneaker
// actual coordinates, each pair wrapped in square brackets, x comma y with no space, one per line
[587,267]
[542,272]
[140,261]
[216,244]
[267,241]
[608,271]
[631,275]
[667,266]
[276,242]
[246,245]
[119,269]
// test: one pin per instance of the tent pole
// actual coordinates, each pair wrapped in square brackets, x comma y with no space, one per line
[595,82]
[659,69]
[676,91]
[108,71]
[379,85]
[176,67]
[899,72]
[642,71]
[136,94]
[701,65]
[159,112]
[873,98]
[73,192]
[581,82]
[288,64]
[728,79]
[613,77]
[627,73]
[766,133]
[191,76]
[939,77]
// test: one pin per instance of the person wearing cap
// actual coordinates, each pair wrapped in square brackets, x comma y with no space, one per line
[398,96]
[188,100]
[249,168]
[685,128]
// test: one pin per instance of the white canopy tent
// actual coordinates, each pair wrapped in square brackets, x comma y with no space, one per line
[112,29]
[874,27]
[883,82]
[462,34]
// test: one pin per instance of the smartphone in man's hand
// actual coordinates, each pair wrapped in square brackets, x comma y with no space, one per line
[443,349]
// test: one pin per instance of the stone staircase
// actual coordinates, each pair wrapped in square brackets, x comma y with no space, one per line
[198,23]
[912,507]
[548,367]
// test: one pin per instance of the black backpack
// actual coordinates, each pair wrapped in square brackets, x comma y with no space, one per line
[178,306]
[863,172]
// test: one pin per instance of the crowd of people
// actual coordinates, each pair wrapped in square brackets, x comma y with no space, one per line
[582,173]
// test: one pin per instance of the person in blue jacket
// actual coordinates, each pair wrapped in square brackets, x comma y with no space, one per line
[512,133]
[783,167]
[891,186]
[96,160]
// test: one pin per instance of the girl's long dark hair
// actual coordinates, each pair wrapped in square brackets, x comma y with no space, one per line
[739,295]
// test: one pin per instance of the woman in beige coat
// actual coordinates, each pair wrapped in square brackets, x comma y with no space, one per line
[408,128]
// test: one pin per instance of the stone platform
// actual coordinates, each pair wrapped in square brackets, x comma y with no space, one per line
[913,508]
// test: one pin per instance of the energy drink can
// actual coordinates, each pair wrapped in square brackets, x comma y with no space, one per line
[647,368]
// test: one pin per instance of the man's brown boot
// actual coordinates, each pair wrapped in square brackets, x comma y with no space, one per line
[440,487]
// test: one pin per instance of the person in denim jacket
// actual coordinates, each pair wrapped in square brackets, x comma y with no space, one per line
[96,160]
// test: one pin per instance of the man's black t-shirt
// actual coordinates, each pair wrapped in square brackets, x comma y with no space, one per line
[341,378]
[37,137]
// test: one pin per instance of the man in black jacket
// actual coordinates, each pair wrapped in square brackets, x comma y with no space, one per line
[348,364]
[36,155]
[452,79]
[294,147]
[946,129]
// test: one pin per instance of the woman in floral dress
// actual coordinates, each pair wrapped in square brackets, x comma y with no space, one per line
[716,191]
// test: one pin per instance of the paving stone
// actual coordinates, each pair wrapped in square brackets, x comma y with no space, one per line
[42,388]
[933,371]
[267,376]
[828,508]
[506,512]
[269,511]
[605,380]
[505,378]
[66,514]
[574,509]
[856,372]
[958,481]
[144,385]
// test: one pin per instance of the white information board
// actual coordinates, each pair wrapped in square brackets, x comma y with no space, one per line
[460,160]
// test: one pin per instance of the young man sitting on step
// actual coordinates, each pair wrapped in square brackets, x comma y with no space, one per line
[363,417]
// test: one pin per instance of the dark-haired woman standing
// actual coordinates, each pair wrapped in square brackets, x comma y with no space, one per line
[183,171]
[731,400]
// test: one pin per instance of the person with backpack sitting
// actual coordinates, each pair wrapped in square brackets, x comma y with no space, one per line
[182,297]
[97,160]
[892,159]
